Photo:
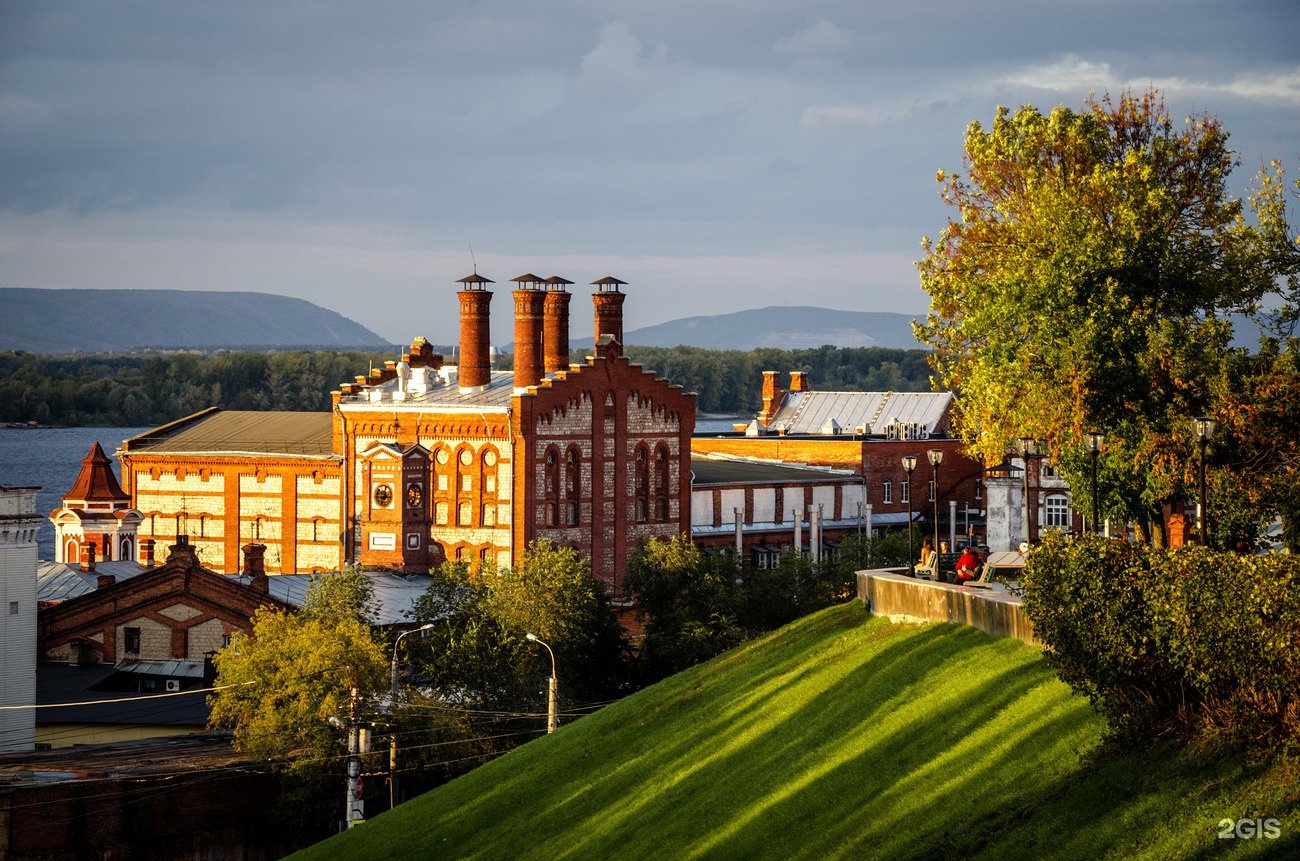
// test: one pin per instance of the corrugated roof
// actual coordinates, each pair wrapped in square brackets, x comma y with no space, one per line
[295,434]
[809,412]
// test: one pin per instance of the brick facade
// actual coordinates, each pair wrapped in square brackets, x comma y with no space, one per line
[177,611]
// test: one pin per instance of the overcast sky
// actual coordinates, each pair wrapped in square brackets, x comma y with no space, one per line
[716,155]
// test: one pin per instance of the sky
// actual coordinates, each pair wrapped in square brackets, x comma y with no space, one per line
[717,156]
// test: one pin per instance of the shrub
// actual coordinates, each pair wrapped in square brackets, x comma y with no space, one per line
[1188,641]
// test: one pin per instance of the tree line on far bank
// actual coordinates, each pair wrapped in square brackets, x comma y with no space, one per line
[135,390]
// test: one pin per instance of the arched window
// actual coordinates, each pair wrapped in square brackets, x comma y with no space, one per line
[572,485]
[661,483]
[551,487]
[642,483]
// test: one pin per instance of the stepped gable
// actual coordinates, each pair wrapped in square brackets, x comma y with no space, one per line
[96,483]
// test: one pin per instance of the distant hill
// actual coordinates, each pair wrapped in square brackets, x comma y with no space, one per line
[787,327]
[59,321]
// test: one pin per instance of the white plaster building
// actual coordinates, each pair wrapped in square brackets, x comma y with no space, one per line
[18,525]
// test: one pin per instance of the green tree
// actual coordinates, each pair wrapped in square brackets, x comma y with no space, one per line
[477,657]
[1083,282]
[278,686]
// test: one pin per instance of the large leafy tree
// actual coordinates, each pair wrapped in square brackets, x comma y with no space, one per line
[1084,281]
[278,686]
[477,656]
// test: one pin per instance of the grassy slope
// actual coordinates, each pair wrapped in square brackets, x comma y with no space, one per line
[838,736]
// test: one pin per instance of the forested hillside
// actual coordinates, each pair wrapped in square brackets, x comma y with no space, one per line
[97,321]
[137,390]
[132,391]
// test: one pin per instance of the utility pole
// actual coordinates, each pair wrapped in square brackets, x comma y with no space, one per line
[355,813]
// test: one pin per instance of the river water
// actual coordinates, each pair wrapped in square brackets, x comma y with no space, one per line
[50,458]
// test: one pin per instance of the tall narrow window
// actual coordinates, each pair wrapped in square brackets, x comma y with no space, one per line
[887,492]
[572,486]
[904,491]
[131,641]
[661,484]
[642,484]
[551,488]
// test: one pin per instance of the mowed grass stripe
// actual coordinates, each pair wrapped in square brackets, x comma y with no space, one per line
[839,736]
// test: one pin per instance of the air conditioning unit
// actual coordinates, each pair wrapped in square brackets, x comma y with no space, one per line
[173,685]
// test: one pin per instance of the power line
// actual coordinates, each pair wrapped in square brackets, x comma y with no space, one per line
[125,699]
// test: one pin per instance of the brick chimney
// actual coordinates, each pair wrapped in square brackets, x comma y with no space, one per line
[555,325]
[88,556]
[146,553]
[529,299]
[799,381]
[475,363]
[255,566]
[608,302]
[103,580]
[772,395]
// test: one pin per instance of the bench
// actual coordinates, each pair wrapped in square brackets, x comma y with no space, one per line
[947,567]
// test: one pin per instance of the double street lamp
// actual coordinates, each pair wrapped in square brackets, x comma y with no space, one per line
[936,457]
[909,464]
[1095,439]
[1026,452]
[1204,428]
[552,709]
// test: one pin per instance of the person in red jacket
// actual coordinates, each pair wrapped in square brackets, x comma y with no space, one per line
[968,565]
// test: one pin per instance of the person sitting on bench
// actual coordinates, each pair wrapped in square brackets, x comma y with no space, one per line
[968,564]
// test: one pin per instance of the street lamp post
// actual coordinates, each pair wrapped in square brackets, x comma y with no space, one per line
[936,457]
[552,710]
[1204,428]
[1026,452]
[1095,439]
[392,690]
[909,464]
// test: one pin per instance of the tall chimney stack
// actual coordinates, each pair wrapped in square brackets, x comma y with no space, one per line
[529,300]
[555,325]
[608,302]
[771,396]
[474,367]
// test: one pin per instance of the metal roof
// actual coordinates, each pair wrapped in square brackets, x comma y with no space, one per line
[295,434]
[59,581]
[708,470]
[442,392]
[810,412]
[395,594]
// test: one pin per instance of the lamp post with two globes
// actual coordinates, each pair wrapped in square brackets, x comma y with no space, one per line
[909,464]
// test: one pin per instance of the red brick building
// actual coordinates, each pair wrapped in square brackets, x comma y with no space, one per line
[869,433]
[422,461]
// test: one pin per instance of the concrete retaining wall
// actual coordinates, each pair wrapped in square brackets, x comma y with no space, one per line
[993,610]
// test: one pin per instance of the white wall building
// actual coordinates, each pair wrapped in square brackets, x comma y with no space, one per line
[18,525]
